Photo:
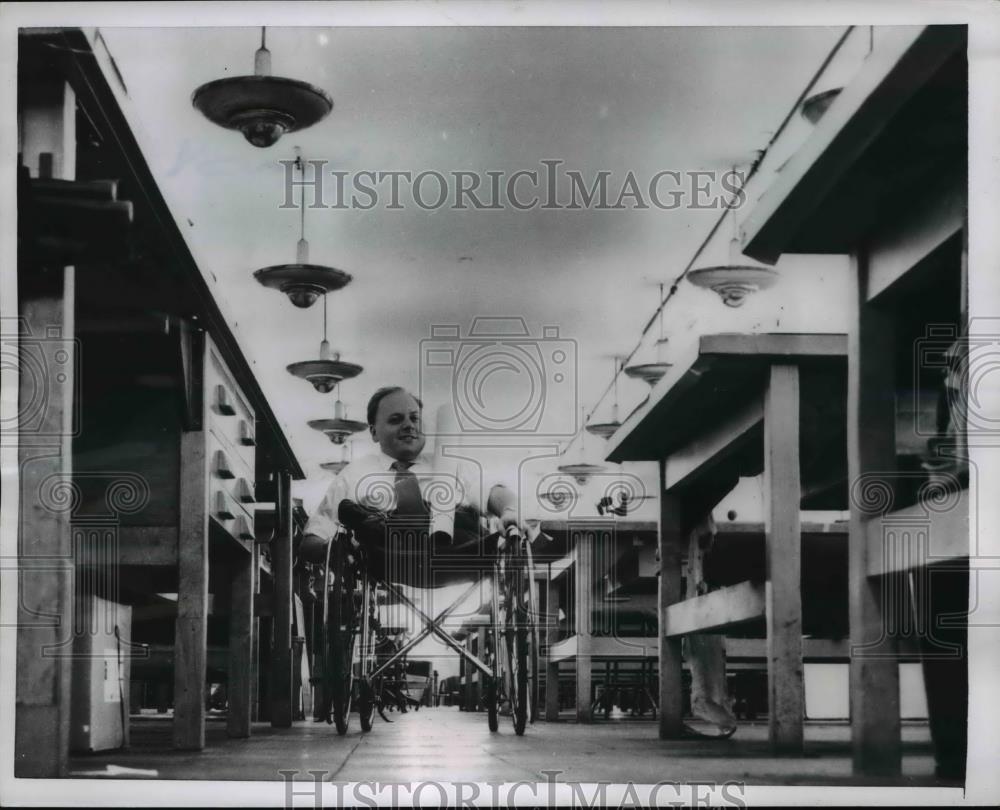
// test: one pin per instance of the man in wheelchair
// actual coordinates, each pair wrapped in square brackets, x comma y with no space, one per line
[400,487]
[423,523]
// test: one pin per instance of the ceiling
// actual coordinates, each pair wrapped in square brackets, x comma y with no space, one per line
[455,99]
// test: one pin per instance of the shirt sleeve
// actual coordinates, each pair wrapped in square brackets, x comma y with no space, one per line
[472,486]
[323,522]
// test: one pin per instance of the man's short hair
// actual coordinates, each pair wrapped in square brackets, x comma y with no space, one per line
[381,394]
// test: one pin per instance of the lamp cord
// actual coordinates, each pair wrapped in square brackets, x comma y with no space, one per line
[660,313]
[614,378]
[302,194]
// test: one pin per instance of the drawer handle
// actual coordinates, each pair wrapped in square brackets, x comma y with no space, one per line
[222,465]
[243,529]
[222,507]
[222,403]
[244,492]
[246,434]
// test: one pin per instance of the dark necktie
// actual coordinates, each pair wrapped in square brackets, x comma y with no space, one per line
[408,498]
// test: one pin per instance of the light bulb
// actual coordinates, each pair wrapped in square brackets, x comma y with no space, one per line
[302,295]
[262,132]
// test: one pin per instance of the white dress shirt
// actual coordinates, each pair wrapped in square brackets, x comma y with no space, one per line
[445,483]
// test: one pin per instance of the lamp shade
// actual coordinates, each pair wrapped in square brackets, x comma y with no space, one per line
[324,374]
[732,282]
[603,429]
[302,283]
[581,471]
[817,104]
[650,373]
[263,107]
[336,467]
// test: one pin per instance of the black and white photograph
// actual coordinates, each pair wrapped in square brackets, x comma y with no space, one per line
[499,403]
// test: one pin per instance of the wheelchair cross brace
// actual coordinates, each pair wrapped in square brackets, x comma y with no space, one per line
[432,626]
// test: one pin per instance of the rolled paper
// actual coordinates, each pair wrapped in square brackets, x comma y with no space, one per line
[443,510]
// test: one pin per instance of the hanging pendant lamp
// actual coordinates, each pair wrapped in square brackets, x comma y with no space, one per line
[263,107]
[848,60]
[325,373]
[340,427]
[346,456]
[817,104]
[734,281]
[652,373]
[606,429]
[580,469]
[302,282]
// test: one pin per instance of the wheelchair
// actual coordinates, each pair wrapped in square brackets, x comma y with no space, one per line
[359,674]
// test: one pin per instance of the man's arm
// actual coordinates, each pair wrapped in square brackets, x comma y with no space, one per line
[323,523]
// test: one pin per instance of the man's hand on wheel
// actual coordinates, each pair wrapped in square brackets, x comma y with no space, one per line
[365,522]
[510,533]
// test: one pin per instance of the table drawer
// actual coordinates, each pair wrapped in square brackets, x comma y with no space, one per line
[230,416]
[231,515]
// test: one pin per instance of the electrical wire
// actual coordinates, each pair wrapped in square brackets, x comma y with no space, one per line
[750,173]
[302,193]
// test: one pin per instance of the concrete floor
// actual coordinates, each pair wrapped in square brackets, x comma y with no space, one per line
[448,745]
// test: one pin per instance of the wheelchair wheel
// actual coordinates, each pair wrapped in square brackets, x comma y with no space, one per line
[492,703]
[493,684]
[516,642]
[340,631]
[366,704]
[533,639]
[368,689]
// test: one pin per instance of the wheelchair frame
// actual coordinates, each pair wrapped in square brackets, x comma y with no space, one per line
[353,675]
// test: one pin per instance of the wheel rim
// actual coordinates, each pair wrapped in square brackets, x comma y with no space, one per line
[517,649]
[532,617]
[343,631]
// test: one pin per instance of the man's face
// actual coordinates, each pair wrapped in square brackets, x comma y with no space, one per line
[397,426]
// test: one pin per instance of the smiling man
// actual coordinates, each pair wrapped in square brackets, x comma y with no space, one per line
[402,483]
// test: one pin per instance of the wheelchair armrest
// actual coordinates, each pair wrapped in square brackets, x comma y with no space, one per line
[360,519]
